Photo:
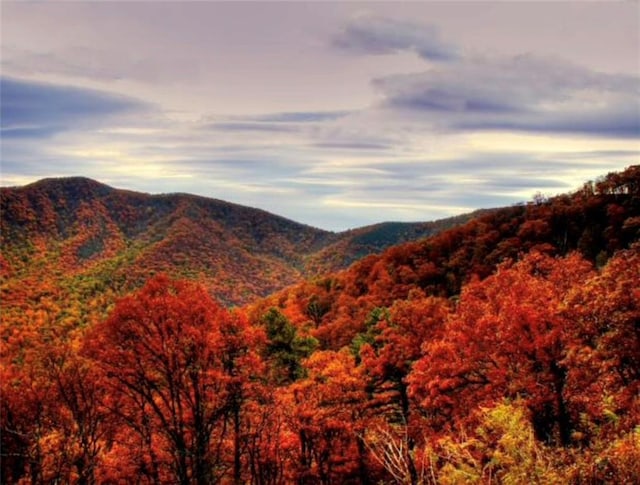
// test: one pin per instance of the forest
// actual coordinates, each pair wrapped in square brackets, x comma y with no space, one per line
[503,349]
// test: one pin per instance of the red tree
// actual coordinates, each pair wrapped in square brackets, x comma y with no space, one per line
[507,339]
[175,364]
[604,359]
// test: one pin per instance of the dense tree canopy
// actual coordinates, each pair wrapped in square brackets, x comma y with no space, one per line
[503,351]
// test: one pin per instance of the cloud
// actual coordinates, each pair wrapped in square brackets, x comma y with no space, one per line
[38,110]
[301,116]
[424,189]
[367,34]
[251,127]
[621,121]
[281,122]
[354,145]
[523,93]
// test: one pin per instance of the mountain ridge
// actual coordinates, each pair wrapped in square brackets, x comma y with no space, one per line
[597,221]
[242,252]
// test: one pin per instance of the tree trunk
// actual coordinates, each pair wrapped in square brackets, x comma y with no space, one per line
[562,416]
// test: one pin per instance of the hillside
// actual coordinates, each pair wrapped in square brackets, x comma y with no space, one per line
[503,350]
[80,227]
[596,221]
[77,226]
[350,246]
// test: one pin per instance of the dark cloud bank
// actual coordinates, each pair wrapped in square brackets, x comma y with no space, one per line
[39,110]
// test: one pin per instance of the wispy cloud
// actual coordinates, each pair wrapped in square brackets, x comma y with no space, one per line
[523,93]
[327,118]
[250,127]
[291,122]
[368,34]
[353,145]
[300,116]
[39,110]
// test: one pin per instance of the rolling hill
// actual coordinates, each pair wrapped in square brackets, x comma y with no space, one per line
[78,230]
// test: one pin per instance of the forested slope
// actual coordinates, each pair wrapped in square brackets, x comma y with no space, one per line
[596,221]
[82,233]
[506,350]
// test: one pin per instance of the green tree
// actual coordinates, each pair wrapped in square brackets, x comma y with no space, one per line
[285,348]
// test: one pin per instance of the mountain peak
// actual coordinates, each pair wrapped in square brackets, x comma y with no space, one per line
[82,185]
[240,252]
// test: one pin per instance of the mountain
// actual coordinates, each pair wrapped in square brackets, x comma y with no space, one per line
[502,350]
[597,221]
[77,229]
[350,246]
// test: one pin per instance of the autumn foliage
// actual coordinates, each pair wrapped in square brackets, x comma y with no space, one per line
[503,351]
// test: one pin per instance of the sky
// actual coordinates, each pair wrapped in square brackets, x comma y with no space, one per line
[333,114]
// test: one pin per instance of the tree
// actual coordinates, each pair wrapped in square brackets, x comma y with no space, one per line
[326,412]
[285,349]
[501,449]
[24,422]
[54,427]
[392,344]
[396,337]
[81,416]
[173,359]
[603,361]
[507,339]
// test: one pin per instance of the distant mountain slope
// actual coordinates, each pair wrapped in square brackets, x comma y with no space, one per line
[350,246]
[597,221]
[77,228]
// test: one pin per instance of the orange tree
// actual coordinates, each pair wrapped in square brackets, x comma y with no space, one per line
[177,366]
[508,338]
